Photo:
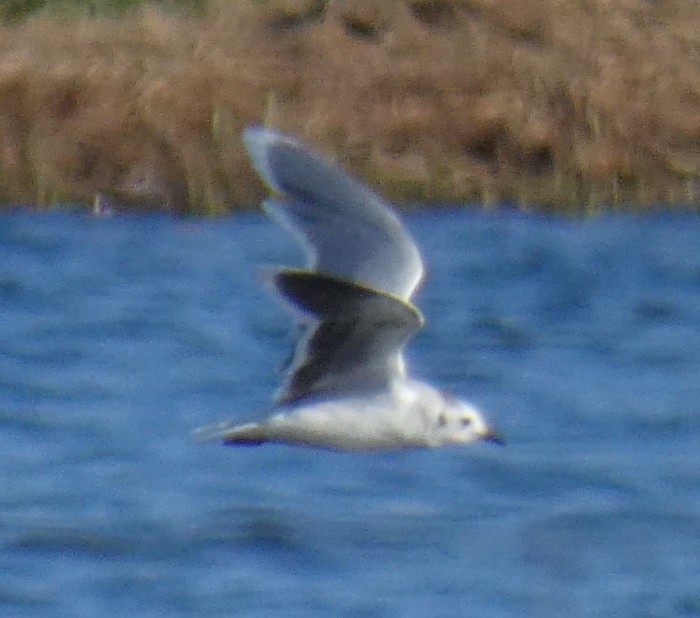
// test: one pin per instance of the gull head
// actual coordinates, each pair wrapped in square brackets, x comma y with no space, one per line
[460,423]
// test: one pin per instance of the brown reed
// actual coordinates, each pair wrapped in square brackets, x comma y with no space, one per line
[570,105]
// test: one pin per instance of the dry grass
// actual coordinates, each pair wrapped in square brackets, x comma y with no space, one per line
[566,104]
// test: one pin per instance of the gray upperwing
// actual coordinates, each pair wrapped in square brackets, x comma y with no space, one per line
[346,228]
[353,338]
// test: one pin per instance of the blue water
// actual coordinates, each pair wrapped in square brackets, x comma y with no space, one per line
[580,338]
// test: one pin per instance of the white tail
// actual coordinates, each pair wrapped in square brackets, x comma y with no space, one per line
[246,434]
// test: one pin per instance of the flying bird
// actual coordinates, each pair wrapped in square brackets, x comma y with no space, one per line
[346,387]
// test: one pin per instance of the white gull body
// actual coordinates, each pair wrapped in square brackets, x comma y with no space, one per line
[346,387]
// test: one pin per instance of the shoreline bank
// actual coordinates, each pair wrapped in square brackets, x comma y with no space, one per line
[568,107]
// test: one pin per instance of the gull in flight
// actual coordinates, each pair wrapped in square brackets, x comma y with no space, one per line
[346,387]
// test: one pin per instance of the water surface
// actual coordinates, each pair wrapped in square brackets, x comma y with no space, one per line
[580,338]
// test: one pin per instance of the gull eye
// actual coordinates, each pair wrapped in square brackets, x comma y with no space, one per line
[442,420]
[466,421]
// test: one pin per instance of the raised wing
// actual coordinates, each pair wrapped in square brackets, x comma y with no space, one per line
[352,339]
[345,228]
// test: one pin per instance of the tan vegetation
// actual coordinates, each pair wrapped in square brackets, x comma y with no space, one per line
[570,104]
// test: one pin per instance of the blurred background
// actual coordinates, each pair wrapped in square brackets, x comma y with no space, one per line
[571,106]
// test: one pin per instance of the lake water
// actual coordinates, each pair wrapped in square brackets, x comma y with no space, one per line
[580,338]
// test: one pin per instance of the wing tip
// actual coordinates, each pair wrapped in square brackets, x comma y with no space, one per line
[258,141]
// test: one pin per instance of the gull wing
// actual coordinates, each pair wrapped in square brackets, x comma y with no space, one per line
[353,335]
[346,229]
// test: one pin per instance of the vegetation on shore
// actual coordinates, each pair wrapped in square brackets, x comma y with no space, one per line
[18,10]
[569,105]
